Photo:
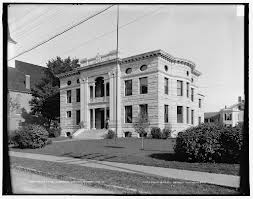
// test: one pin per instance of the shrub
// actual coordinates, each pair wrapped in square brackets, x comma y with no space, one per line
[54,132]
[209,143]
[128,134]
[30,136]
[231,143]
[110,134]
[156,133]
[11,134]
[69,135]
[166,133]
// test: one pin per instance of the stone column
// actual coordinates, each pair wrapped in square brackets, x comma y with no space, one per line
[84,102]
[111,100]
[93,86]
[94,118]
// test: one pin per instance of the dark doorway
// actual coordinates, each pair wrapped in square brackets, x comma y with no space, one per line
[99,118]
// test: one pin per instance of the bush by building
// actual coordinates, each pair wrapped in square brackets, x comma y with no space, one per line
[209,143]
[30,136]
[54,132]
[156,133]
[110,134]
[166,133]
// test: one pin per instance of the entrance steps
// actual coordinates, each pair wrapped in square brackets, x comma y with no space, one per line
[90,134]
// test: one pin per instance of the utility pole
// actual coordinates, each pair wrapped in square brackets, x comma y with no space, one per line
[117,73]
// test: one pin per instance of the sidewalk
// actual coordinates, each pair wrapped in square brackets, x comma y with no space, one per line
[203,177]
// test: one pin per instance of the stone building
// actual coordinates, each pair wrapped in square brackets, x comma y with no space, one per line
[163,86]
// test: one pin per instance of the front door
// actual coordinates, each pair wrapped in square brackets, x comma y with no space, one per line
[99,118]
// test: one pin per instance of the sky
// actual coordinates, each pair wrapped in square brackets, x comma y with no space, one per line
[212,36]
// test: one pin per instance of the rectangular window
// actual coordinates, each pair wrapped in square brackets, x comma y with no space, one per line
[77,117]
[78,95]
[143,85]
[69,96]
[187,115]
[187,89]
[144,109]
[107,89]
[128,114]
[179,88]
[179,114]
[199,103]
[166,85]
[199,120]
[68,113]
[166,113]
[91,92]
[228,116]
[192,116]
[192,94]
[128,87]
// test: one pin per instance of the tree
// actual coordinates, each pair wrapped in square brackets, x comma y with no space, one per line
[46,94]
[12,104]
[141,126]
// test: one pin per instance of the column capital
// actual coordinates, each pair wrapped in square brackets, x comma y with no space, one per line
[83,80]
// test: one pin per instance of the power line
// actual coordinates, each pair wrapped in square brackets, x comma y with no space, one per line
[109,32]
[66,30]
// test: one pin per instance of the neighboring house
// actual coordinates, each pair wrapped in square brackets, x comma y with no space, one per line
[163,86]
[229,116]
[21,80]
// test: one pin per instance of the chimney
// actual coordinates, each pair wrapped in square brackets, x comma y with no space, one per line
[239,99]
[27,81]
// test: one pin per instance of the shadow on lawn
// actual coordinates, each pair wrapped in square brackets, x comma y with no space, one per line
[165,156]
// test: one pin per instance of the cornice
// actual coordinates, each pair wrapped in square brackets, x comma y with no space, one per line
[67,74]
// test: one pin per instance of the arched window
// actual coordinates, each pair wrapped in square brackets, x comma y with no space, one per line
[128,70]
[78,81]
[187,72]
[99,87]
[69,82]
[166,68]
[143,67]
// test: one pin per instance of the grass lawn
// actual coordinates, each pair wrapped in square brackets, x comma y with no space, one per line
[140,183]
[128,150]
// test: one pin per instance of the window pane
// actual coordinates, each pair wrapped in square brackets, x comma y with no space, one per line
[128,114]
[144,108]
[179,114]
[192,94]
[107,89]
[199,103]
[128,87]
[69,96]
[187,115]
[187,89]
[144,85]
[77,117]
[179,88]
[78,95]
[166,113]
[166,85]
[192,116]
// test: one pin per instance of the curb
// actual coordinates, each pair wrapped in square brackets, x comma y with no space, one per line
[116,188]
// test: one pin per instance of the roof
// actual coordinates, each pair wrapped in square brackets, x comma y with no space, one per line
[159,52]
[16,76]
[233,106]
[210,114]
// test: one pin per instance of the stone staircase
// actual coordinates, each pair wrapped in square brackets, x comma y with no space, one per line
[90,134]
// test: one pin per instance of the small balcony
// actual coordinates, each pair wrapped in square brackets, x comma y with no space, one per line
[104,99]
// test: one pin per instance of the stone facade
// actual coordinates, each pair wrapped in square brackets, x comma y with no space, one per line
[109,100]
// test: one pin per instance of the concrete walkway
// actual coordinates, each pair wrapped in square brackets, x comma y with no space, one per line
[202,177]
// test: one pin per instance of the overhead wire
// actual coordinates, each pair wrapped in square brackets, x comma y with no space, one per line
[62,32]
[112,31]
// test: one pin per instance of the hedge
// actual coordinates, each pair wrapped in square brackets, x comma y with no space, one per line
[209,143]
[30,136]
